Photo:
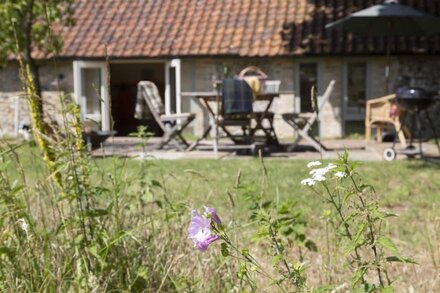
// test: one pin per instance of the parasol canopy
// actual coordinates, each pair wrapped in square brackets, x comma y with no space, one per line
[389,19]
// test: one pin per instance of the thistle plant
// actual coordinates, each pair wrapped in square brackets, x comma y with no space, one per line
[358,223]
[144,135]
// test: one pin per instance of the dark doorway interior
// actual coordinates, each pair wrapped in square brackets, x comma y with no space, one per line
[124,79]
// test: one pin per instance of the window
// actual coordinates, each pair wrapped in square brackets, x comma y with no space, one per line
[356,90]
[91,91]
[308,77]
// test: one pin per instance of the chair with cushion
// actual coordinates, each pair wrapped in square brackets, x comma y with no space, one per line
[258,82]
[171,124]
[303,122]
[236,109]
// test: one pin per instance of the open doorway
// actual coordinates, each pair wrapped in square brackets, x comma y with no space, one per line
[124,80]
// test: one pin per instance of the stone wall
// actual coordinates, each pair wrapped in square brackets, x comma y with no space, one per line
[14,109]
[13,103]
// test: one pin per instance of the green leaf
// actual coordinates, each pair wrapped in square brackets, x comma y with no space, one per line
[276,259]
[356,240]
[158,203]
[96,213]
[347,196]
[325,288]
[388,244]
[224,249]
[387,289]
[359,233]
[350,247]
[142,272]
[266,204]
[7,250]
[242,271]
[357,276]
[400,259]
[311,245]
[284,209]
[94,251]
[156,183]
[382,215]
[286,231]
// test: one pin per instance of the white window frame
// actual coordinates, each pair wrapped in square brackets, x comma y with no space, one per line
[77,85]
[177,64]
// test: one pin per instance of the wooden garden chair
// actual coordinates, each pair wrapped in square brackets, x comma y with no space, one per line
[171,124]
[380,113]
[303,122]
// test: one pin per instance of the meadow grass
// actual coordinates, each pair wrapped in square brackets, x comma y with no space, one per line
[154,199]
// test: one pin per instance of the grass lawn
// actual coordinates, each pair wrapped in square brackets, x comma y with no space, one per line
[410,189]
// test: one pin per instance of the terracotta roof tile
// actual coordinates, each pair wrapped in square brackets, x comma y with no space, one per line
[142,28]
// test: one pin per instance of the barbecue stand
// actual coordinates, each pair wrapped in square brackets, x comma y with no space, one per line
[416,102]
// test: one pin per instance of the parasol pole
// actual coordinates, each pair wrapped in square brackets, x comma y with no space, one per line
[216,117]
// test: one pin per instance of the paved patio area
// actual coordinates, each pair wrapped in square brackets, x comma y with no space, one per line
[358,148]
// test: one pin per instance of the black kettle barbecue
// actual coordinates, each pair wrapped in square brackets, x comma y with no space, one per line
[414,98]
[415,101]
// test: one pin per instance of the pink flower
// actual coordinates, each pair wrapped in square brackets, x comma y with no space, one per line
[200,229]
[213,214]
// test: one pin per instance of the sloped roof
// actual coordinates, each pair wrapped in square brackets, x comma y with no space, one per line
[246,28]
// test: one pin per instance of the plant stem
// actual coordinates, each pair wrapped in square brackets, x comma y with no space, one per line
[370,228]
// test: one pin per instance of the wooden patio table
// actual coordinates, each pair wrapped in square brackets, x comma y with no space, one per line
[205,99]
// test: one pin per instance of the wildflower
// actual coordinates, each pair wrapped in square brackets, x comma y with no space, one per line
[340,174]
[93,283]
[318,175]
[322,171]
[308,181]
[24,226]
[314,164]
[212,214]
[200,228]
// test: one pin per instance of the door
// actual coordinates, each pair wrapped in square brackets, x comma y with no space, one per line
[90,88]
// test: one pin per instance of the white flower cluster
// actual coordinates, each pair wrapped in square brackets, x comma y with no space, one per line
[318,175]
[314,164]
[340,174]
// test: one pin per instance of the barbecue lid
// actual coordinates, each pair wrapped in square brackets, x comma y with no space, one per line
[412,93]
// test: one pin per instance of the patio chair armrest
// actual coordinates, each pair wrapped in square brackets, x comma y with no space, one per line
[174,117]
[381,100]
[292,116]
[306,115]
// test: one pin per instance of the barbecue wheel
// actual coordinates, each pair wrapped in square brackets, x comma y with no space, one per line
[389,154]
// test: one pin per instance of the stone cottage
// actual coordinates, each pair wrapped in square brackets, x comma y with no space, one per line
[183,45]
